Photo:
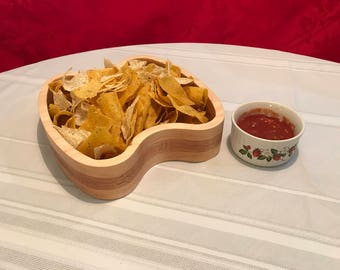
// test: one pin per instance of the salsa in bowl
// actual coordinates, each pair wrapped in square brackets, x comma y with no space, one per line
[265,133]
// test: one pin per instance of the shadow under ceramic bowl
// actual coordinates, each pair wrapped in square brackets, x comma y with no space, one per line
[265,152]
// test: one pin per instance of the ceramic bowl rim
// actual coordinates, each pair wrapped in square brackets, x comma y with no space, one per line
[268,103]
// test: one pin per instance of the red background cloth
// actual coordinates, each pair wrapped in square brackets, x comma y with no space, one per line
[36,30]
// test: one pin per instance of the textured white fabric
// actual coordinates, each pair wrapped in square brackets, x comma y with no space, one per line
[219,214]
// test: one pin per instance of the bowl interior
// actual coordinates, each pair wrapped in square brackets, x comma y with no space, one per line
[214,112]
[210,109]
[281,110]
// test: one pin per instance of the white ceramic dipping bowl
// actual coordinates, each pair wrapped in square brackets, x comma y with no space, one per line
[264,152]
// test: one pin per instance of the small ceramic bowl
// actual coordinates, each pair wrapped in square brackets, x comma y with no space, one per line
[265,152]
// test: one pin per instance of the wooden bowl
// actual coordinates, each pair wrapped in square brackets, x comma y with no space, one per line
[116,177]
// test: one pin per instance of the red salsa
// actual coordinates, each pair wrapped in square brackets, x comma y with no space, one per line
[266,124]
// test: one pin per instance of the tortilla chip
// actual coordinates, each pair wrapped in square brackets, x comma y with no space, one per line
[61,118]
[197,94]
[60,100]
[72,82]
[109,104]
[129,121]
[186,109]
[142,108]
[98,137]
[53,110]
[174,89]
[105,151]
[73,136]
[153,114]
[131,90]
[95,118]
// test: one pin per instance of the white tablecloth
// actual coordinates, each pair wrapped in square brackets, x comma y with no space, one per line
[218,214]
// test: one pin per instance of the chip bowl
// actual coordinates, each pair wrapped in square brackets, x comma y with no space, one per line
[265,152]
[116,177]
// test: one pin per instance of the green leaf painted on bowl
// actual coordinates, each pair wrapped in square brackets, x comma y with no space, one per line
[273,151]
[243,152]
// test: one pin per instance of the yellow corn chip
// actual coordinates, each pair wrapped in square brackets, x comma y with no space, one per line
[53,110]
[175,71]
[95,118]
[109,104]
[61,118]
[142,108]
[197,94]
[98,137]
[105,151]
[183,80]
[136,64]
[72,135]
[129,121]
[55,85]
[108,63]
[72,82]
[88,90]
[174,89]
[71,122]
[186,109]
[170,116]
[153,114]
[60,100]
[131,90]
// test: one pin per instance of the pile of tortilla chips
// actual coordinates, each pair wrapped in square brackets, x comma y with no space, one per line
[100,111]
